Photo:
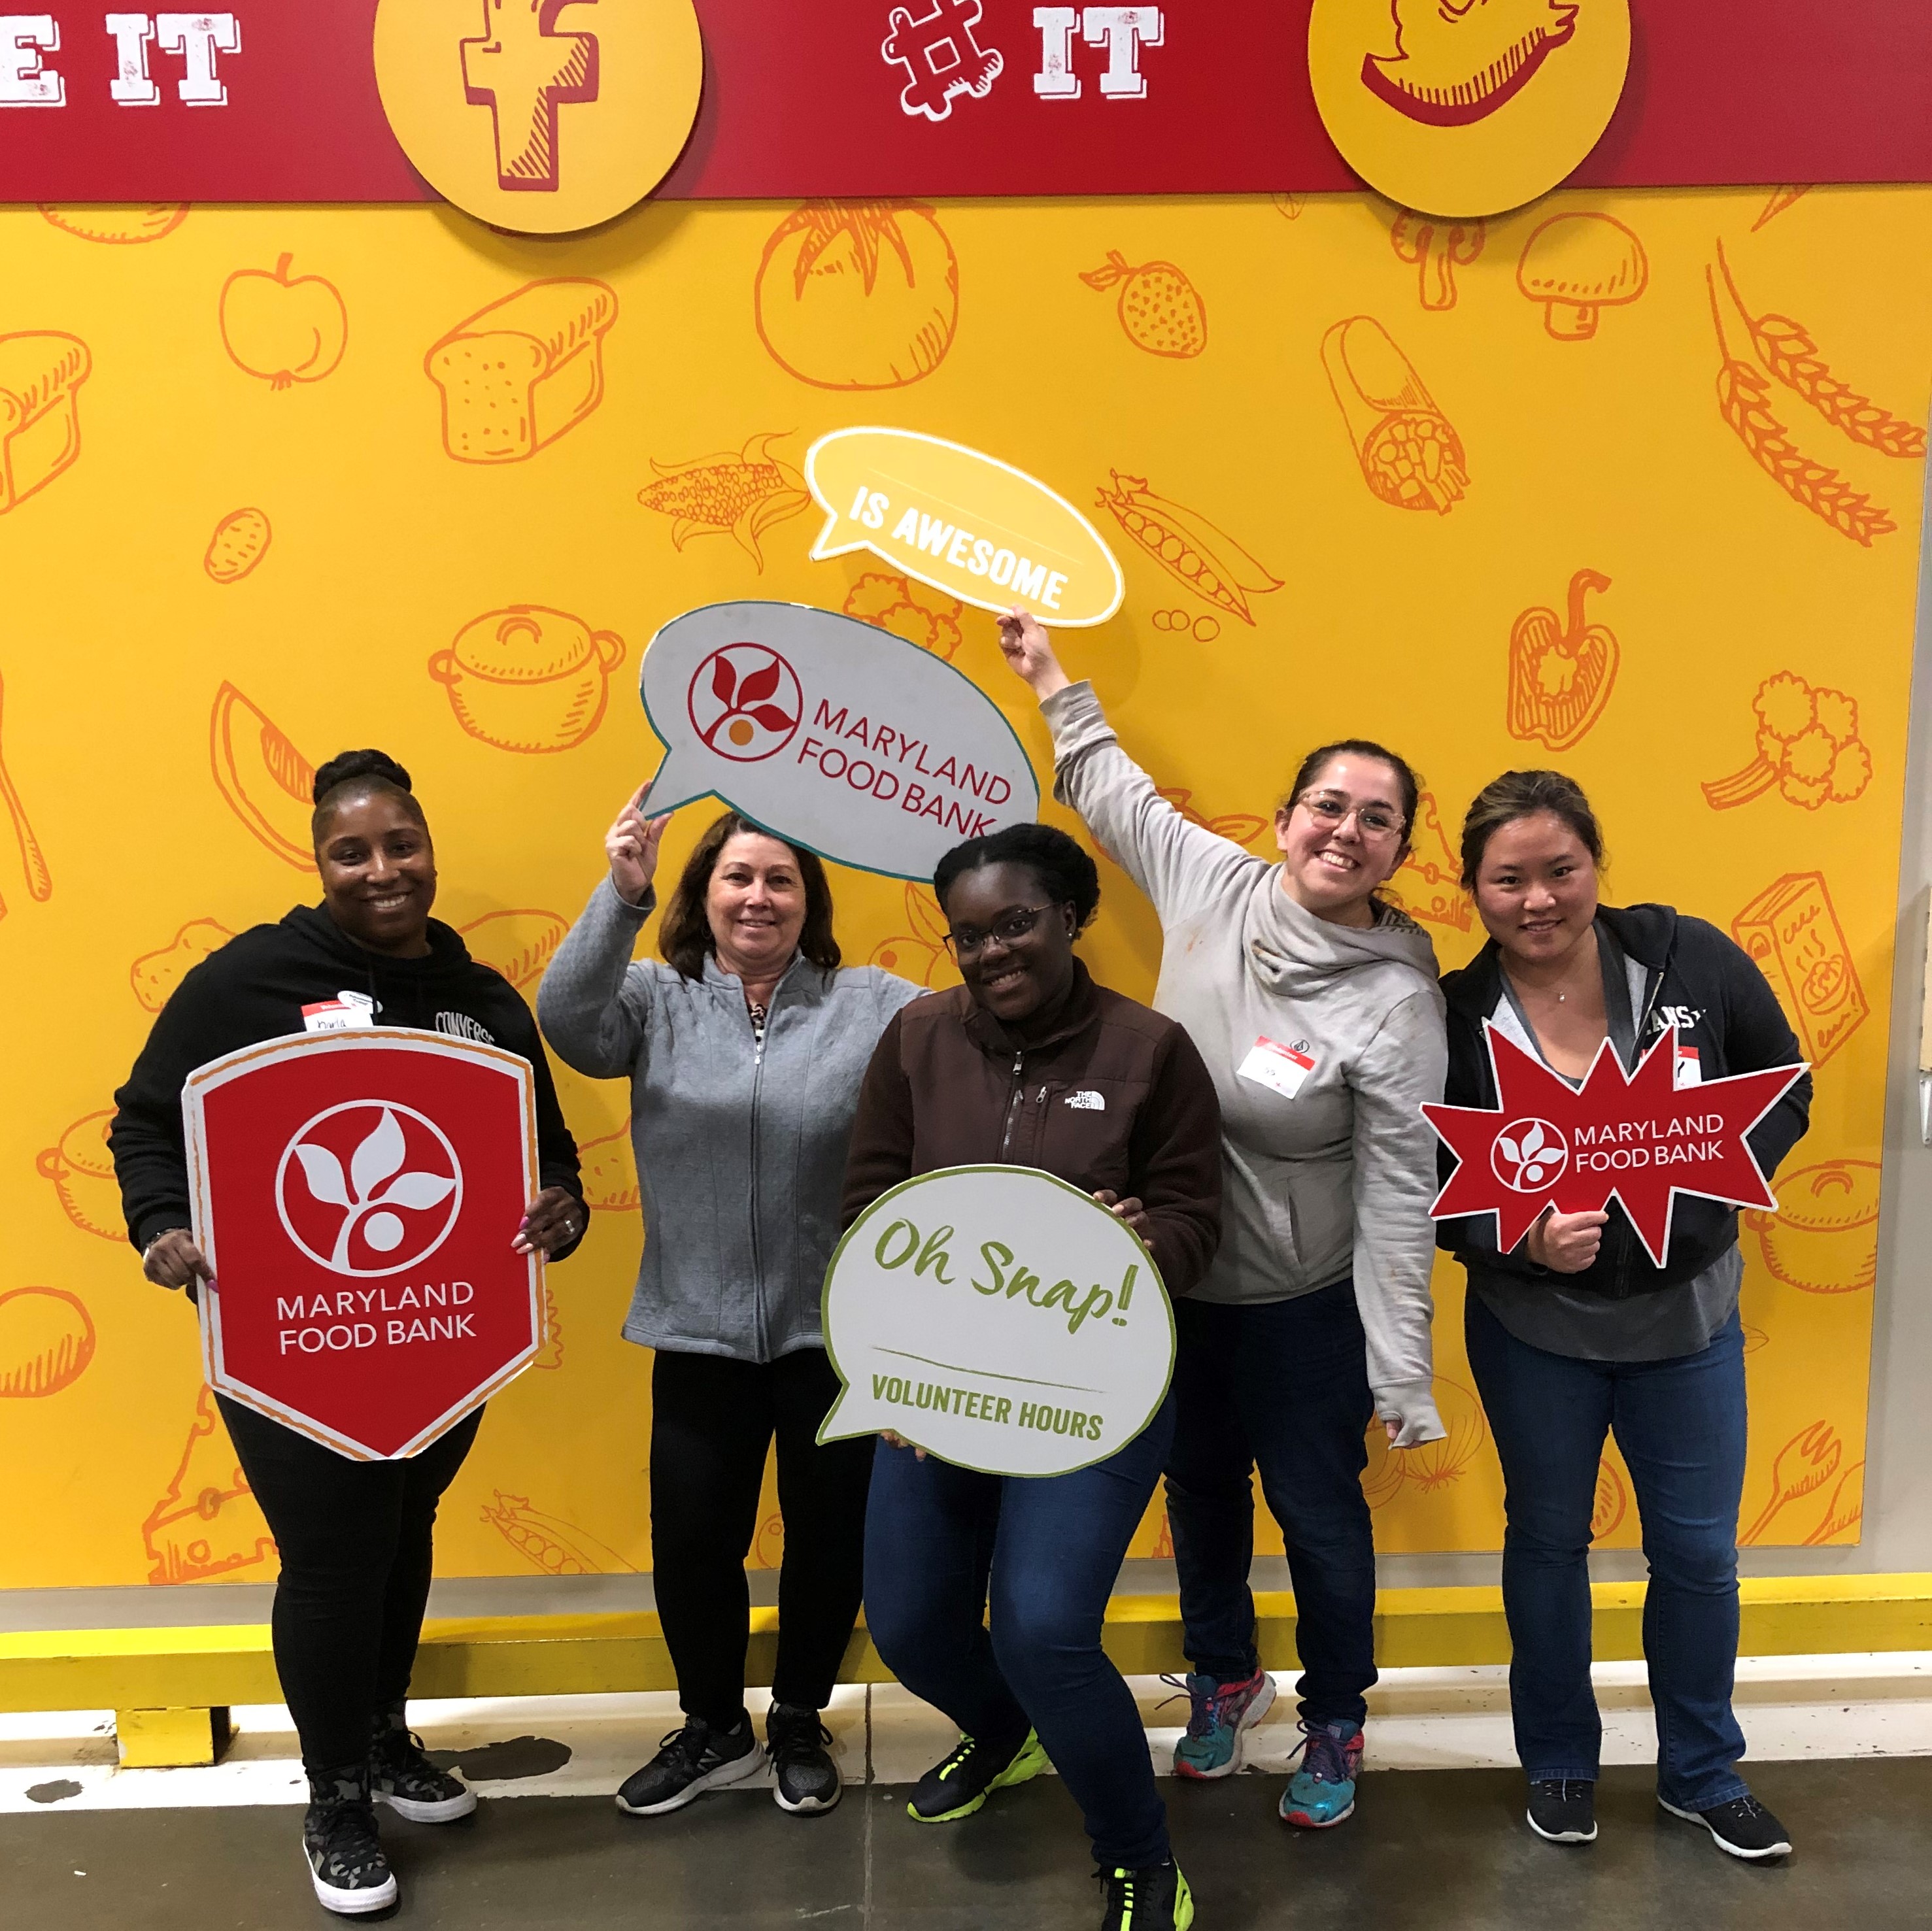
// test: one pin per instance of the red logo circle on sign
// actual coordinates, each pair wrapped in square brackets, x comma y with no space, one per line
[1529,1155]
[369,1188]
[745,702]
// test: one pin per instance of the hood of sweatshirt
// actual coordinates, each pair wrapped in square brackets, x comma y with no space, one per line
[1294,955]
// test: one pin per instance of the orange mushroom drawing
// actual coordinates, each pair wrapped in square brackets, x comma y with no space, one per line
[1576,266]
[1438,249]
[1561,670]
[1823,1239]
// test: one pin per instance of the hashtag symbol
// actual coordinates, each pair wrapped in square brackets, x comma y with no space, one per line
[941,56]
[523,70]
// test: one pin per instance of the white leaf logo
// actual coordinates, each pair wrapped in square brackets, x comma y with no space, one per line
[323,1172]
[1528,1155]
[415,1191]
[1511,1151]
[379,1156]
[377,1192]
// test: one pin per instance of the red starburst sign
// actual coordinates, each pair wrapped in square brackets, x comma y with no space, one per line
[1637,1138]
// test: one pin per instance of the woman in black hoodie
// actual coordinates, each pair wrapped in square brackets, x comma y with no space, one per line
[354,1536]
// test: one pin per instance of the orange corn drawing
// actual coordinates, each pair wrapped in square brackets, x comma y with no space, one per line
[266,781]
[518,945]
[1160,309]
[1561,670]
[920,955]
[1428,883]
[1437,249]
[208,1522]
[740,496]
[240,541]
[927,619]
[46,1340]
[1808,746]
[1190,549]
[549,1543]
[1823,1239]
[1410,456]
[1802,1467]
[1791,930]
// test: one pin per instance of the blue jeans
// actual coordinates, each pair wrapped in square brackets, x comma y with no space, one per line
[941,1541]
[1681,1425]
[1282,1386]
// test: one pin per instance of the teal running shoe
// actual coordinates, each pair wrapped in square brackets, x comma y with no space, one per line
[1322,1792]
[1220,1712]
[958,1785]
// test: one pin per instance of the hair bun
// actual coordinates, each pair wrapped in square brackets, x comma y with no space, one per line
[346,765]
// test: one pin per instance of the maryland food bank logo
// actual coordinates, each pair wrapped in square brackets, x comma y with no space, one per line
[540,116]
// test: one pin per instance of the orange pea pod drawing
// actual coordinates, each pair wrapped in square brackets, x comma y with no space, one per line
[1410,456]
[550,1544]
[1800,1467]
[1437,249]
[1428,883]
[1575,266]
[46,1340]
[1823,1239]
[1160,311]
[1808,749]
[208,1522]
[154,975]
[120,227]
[1197,554]
[1791,930]
[240,541]
[927,619]
[518,945]
[527,679]
[740,496]
[284,328]
[920,955]
[82,1170]
[1561,669]
[267,783]
[609,1172]
[41,371]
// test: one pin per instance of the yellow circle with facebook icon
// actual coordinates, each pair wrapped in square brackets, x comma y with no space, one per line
[1467,107]
[543,117]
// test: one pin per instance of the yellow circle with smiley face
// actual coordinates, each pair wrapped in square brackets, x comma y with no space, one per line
[1467,107]
[540,116]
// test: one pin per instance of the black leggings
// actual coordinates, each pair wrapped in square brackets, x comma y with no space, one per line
[354,1542]
[712,1422]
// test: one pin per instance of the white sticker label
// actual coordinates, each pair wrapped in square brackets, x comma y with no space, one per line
[1689,1070]
[344,1013]
[1281,1069]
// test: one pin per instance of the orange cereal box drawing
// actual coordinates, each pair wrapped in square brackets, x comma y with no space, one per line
[284,328]
[1159,309]
[240,541]
[524,370]
[47,1340]
[82,1170]
[1791,931]
[919,954]
[1196,553]
[1437,248]
[527,679]
[1802,1467]
[118,226]
[1428,883]
[518,945]
[154,975]
[858,295]
[1561,669]
[1575,266]
[1823,1239]
[1808,749]
[267,782]
[41,371]
[208,1522]
[33,859]
[609,1173]
[924,617]
[550,1544]
[740,496]
[1411,455]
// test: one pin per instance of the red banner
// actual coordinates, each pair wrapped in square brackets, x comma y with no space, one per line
[272,102]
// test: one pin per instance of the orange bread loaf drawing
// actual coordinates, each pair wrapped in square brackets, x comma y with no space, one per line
[517,375]
[40,373]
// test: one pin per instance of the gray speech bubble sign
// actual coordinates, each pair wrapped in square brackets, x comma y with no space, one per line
[838,735]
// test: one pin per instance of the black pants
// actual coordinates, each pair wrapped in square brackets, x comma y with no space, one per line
[712,1422]
[355,1543]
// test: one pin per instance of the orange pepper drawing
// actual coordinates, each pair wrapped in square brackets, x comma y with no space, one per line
[267,782]
[82,1170]
[1193,551]
[120,226]
[1159,309]
[41,371]
[1428,883]
[1791,929]
[920,955]
[1808,746]
[1438,249]
[927,619]
[518,945]
[33,859]
[47,1340]
[609,1173]
[208,1522]
[1561,670]
[1576,266]
[285,328]
[740,496]
[240,541]
[154,975]
[1823,1239]
[1410,456]
[1802,1467]
[549,1543]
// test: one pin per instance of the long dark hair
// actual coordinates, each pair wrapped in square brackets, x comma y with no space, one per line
[1526,794]
[684,933]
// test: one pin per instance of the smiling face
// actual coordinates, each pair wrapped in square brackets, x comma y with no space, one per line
[1536,888]
[378,871]
[755,905]
[1342,837]
[1012,977]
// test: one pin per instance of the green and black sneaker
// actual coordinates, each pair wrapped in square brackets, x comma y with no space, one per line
[1156,1898]
[957,1786]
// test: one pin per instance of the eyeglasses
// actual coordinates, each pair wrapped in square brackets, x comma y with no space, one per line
[1376,821]
[965,940]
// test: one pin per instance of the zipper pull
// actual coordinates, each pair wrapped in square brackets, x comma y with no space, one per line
[1019,1060]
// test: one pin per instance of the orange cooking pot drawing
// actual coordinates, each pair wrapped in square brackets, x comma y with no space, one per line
[527,679]
[1823,1239]
[82,1171]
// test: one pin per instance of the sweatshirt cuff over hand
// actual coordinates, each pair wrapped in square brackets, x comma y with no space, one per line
[1413,1404]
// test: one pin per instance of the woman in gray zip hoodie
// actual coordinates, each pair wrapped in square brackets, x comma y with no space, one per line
[1315,1006]
[745,1050]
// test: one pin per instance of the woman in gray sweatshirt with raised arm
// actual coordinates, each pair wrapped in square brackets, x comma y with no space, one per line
[1315,1006]
[745,1049]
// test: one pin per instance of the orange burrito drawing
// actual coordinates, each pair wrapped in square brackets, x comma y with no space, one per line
[1454,65]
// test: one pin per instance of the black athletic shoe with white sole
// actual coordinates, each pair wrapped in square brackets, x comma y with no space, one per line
[345,1863]
[690,1762]
[807,1781]
[401,1777]
[1743,1827]
[1563,1810]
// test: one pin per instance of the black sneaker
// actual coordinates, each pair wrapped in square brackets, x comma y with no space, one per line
[957,1786]
[1563,1810]
[808,1780]
[690,1762]
[345,1863]
[1156,1898]
[401,1777]
[1743,1827]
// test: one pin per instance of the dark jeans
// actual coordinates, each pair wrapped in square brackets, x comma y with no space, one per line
[355,1539]
[1681,1425]
[712,1421]
[1282,1386]
[940,1541]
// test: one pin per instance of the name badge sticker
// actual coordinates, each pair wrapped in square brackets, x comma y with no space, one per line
[1690,1067]
[1280,1069]
[345,1013]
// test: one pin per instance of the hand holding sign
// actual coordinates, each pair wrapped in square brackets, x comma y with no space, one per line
[632,845]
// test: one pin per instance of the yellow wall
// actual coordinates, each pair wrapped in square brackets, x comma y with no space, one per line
[125,614]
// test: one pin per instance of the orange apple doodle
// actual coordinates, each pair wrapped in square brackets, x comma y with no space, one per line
[550,1354]
[1159,309]
[47,1340]
[1781,198]
[859,295]
[120,227]
[1561,670]
[1844,1512]
[1196,553]
[1455,65]
[1791,930]
[518,945]
[82,1170]
[154,975]
[740,497]
[920,955]
[609,1173]
[1434,1464]
[1410,456]
[1577,266]
[1800,1467]
[1437,248]
[41,371]
[284,328]
[33,859]
[1823,1239]
[208,1522]
[1239,828]
[240,541]
[1428,883]
[1203,630]
[550,1544]
[266,781]
[1808,749]
[1612,1502]
[927,619]
[522,371]
[527,679]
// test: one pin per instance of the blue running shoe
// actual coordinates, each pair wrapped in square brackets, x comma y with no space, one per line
[1322,1792]
[1219,1712]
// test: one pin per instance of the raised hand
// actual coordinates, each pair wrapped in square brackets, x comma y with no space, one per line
[1024,644]
[631,844]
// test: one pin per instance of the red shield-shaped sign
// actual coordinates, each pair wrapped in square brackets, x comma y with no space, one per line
[356,1194]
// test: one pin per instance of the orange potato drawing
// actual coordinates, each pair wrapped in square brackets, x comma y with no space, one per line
[1823,1239]
[33,859]
[1612,1502]
[121,226]
[1576,266]
[47,1340]
[550,1544]
[240,541]
[284,329]
[1434,1464]
[208,1522]
[550,1354]
[1160,309]
[41,371]
[1428,883]
[1453,65]
[1193,551]
[921,955]
[1410,456]
[1844,1511]
[1802,1467]
[1560,670]
[741,496]
[527,679]
[1808,746]
[266,781]
[858,295]
[517,944]
[522,371]
[927,618]
[1437,248]
[609,1173]
[1791,928]
[82,1171]
[154,975]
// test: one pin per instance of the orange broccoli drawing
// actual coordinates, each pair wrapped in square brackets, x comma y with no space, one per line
[927,619]
[1808,746]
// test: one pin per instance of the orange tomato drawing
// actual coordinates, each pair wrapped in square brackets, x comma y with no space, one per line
[208,1522]
[240,541]
[1159,309]
[82,1170]
[47,1340]
[741,496]
[284,328]
[929,619]
[118,226]
[267,783]
[154,975]
[1561,670]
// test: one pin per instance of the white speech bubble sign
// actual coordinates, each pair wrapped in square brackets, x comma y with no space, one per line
[998,1317]
[839,736]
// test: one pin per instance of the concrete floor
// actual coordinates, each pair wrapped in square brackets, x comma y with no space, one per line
[1427,1849]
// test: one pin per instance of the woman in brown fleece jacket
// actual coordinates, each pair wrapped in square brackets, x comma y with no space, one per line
[1031,1063]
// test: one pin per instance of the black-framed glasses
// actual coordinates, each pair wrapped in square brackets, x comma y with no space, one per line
[1376,821]
[965,940]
